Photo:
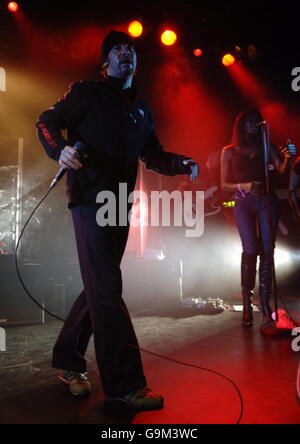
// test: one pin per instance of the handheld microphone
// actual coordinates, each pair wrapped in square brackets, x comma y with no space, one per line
[290,148]
[264,122]
[79,147]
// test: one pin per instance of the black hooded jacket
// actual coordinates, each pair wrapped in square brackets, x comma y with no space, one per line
[117,130]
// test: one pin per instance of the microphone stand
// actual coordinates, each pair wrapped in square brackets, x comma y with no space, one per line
[265,129]
[271,329]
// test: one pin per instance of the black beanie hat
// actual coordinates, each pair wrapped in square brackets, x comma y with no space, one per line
[112,39]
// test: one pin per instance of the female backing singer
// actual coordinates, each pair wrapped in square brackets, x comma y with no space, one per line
[243,172]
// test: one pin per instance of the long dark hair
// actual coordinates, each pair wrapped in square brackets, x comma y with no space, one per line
[239,135]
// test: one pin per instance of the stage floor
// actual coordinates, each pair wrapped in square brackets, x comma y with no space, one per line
[264,368]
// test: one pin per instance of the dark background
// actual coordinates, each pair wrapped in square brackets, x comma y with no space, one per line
[195,100]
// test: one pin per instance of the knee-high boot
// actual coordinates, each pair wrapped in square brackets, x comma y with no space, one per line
[248,270]
[266,279]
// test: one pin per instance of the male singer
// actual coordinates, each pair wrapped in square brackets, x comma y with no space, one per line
[117,130]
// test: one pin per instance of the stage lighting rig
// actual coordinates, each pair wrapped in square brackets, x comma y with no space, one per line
[198,52]
[135,28]
[168,37]
[13,7]
[228,60]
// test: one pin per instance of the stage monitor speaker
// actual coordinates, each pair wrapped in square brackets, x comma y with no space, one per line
[15,305]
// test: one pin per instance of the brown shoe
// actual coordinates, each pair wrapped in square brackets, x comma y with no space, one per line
[78,383]
[142,400]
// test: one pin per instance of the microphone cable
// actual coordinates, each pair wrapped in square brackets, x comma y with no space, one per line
[17,262]
[198,367]
[80,148]
[234,385]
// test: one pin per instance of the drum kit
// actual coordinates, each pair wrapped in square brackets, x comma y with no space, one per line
[8,193]
[14,211]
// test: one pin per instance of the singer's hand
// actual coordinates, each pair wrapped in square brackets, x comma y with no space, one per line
[246,186]
[192,168]
[69,159]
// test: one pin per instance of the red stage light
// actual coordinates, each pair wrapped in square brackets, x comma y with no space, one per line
[135,29]
[13,6]
[168,37]
[228,60]
[198,52]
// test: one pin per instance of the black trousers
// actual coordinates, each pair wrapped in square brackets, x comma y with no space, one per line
[100,309]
